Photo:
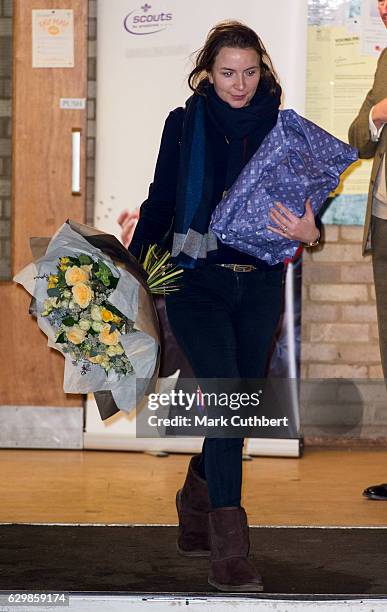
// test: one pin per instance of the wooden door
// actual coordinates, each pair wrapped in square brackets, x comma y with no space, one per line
[32,374]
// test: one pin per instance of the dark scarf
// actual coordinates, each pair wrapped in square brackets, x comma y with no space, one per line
[244,128]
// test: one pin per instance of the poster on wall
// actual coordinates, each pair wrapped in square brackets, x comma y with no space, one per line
[53,38]
[345,38]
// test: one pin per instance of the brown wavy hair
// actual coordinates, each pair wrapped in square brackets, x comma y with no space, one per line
[236,35]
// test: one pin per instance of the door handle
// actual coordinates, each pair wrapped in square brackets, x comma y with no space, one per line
[76,162]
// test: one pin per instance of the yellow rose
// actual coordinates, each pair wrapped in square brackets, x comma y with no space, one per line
[112,351]
[96,359]
[119,349]
[82,294]
[109,338]
[101,360]
[75,334]
[76,275]
[106,315]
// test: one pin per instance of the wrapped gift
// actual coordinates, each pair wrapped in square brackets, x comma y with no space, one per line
[297,160]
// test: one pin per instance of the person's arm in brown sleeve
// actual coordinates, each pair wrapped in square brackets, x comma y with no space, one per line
[359,134]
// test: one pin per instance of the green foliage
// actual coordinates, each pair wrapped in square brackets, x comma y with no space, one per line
[53,292]
[84,260]
[162,275]
[69,321]
[103,273]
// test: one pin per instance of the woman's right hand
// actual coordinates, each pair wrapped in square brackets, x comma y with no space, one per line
[288,225]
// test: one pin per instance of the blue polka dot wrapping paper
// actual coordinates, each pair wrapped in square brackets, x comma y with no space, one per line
[297,160]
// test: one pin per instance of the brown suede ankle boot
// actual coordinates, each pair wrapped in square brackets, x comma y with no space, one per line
[231,570]
[193,506]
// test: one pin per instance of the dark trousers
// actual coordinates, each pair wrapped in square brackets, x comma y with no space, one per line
[379,262]
[224,322]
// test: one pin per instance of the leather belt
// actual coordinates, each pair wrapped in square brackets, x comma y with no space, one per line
[238,267]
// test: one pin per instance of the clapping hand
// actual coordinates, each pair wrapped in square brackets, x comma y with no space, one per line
[128,221]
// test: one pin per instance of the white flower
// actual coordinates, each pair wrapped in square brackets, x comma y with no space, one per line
[50,303]
[96,325]
[95,312]
[84,324]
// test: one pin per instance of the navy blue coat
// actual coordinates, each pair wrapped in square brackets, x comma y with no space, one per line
[157,212]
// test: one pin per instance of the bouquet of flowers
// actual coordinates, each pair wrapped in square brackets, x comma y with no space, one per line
[93,301]
[77,307]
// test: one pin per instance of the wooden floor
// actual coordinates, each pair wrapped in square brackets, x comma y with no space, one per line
[322,488]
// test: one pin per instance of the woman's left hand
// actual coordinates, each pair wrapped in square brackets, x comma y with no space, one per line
[128,221]
[288,225]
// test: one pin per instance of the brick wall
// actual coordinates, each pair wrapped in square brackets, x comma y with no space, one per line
[5,136]
[339,325]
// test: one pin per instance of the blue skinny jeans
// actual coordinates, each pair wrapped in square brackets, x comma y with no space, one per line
[225,321]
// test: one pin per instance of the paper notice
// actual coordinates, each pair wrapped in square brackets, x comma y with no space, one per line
[53,38]
[373,34]
[339,77]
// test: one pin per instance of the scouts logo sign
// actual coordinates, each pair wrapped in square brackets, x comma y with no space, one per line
[144,21]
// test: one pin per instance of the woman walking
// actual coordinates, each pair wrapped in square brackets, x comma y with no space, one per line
[227,310]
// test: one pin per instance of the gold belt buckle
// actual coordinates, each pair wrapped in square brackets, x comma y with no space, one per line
[238,267]
[247,268]
[242,268]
